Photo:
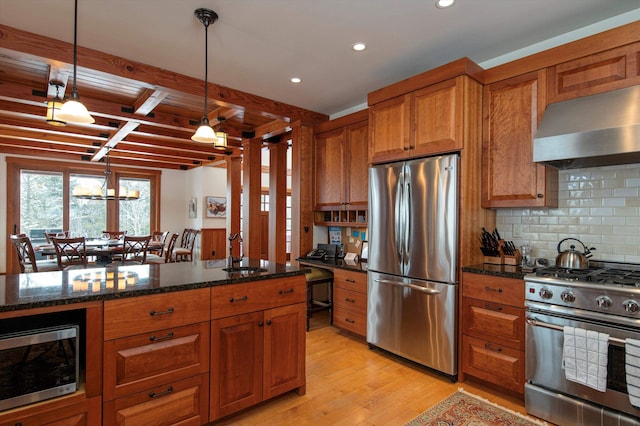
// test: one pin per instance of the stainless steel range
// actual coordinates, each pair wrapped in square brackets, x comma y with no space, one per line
[604,298]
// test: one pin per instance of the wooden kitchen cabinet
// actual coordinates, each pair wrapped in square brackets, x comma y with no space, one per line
[156,358]
[257,343]
[350,301]
[601,72]
[341,169]
[424,122]
[493,330]
[512,110]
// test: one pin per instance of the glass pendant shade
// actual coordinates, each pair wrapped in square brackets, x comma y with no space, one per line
[53,112]
[204,134]
[74,112]
[221,140]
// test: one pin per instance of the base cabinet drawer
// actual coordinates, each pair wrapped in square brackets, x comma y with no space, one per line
[352,320]
[349,300]
[494,363]
[184,402]
[494,321]
[63,412]
[138,362]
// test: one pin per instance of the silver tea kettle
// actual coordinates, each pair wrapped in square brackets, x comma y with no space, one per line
[573,259]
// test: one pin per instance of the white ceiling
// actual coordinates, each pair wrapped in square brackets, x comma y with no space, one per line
[257,45]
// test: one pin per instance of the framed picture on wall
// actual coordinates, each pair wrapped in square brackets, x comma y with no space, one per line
[193,208]
[216,207]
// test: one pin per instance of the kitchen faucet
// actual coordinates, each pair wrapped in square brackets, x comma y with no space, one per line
[232,260]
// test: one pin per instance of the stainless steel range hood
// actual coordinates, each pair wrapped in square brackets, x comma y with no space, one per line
[596,130]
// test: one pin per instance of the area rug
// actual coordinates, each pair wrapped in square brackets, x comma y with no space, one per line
[465,409]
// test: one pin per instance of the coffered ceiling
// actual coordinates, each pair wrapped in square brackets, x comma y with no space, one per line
[141,64]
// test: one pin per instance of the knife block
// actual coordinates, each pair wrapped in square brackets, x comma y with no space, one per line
[513,260]
[504,259]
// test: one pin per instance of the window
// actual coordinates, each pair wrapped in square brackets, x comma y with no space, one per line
[40,200]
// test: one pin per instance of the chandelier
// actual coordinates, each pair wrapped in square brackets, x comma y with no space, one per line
[106,191]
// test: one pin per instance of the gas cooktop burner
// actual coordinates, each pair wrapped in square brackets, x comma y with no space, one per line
[596,274]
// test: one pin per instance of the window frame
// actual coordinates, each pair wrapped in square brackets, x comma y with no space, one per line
[15,165]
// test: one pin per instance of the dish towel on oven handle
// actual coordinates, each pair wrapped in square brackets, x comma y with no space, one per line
[632,368]
[585,357]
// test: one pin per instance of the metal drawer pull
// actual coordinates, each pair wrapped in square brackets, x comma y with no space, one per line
[349,280]
[350,300]
[168,311]
[350,321]
[499,290]
[497,308]
[286,291]
[488,346]
[155,339]
[535,323]
[155,395]
[238,299]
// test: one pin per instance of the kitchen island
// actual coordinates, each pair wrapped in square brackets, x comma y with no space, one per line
[179,342]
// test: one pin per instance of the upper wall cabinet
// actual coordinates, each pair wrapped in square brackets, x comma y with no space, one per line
[424,122]
[341,178]
[512,110]
[609,70]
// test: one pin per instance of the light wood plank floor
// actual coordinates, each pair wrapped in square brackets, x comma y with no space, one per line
[349,384]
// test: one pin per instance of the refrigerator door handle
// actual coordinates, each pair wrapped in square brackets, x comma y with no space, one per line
[411,286]
[407,224]
[399,219]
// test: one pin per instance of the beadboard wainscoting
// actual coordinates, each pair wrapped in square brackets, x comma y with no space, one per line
[600,206]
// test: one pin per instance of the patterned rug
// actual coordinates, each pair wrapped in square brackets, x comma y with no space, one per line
[465,409]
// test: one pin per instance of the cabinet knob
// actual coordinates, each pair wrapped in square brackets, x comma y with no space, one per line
[260,323]
[539,195]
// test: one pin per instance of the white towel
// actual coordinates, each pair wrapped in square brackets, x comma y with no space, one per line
[584,357]
[632,368]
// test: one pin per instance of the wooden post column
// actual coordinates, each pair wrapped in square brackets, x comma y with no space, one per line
[278,202]
[301,189]
[234,190]
[251,189]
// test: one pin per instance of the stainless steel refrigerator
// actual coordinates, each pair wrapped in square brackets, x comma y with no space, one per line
[413,240]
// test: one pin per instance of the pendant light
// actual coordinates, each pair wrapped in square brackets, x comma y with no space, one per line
[54,105]
[107,190]
[205,132]
[221,136]
[73,111]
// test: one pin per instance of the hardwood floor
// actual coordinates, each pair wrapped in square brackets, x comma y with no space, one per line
[349,384]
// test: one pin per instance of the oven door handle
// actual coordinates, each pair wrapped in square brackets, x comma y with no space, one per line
[537,323]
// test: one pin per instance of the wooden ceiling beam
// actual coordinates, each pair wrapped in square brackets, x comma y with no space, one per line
[18,42]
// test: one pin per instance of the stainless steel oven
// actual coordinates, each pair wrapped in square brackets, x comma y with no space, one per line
[38,364]
[590,300]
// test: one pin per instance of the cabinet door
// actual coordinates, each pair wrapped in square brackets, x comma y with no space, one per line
[512,110]
[236,363]
[437,118]
[390,128]
[284,349]
[493,321]
[330,168]
[356,161]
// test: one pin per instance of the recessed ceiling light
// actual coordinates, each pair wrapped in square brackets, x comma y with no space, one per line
[296,80]
[359,46]
[444,3]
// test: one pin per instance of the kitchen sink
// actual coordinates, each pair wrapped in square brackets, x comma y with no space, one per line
[245,269]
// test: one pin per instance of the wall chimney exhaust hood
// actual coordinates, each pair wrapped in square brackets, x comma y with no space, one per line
[596,130]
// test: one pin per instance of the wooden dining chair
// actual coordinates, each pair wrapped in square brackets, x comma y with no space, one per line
[71,253]
[134,249]
[115,235]
[27,256]
[184,253]
[168,252]
[49,235]
[160,237]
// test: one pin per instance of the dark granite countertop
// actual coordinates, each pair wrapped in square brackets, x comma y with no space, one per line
[507,271]
[334,264]
[43,289]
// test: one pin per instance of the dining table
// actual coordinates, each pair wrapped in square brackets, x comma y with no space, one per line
[103,250]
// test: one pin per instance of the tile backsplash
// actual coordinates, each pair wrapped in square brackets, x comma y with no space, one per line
[599,206]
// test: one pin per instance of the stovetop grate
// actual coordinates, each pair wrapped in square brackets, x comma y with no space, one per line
[599,275]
